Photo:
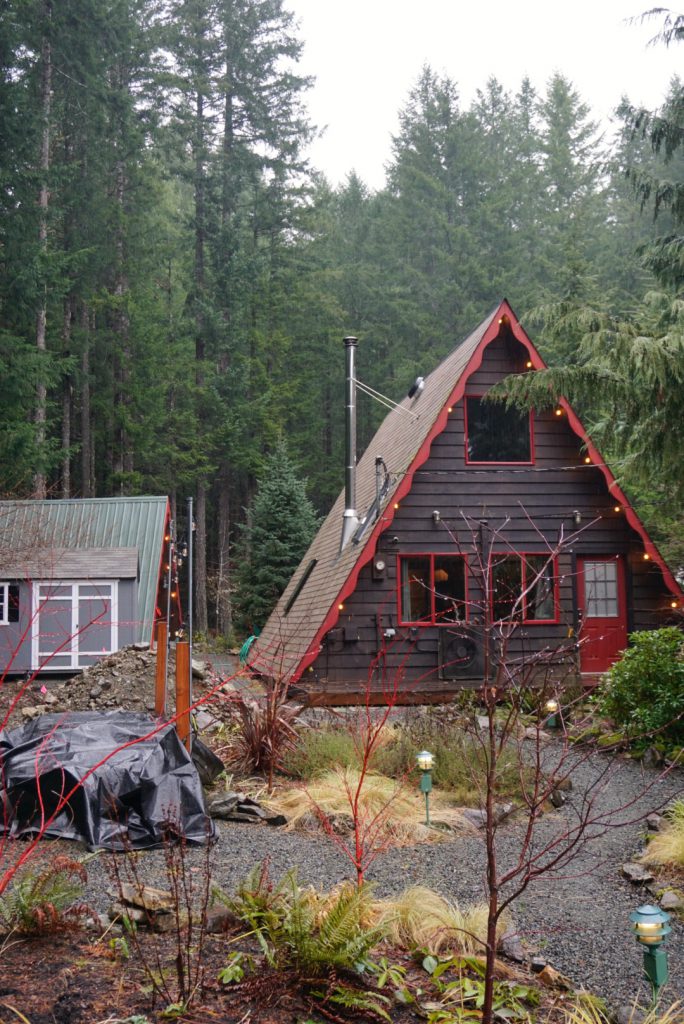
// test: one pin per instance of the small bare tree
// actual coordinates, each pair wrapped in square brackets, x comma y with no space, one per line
[516,685]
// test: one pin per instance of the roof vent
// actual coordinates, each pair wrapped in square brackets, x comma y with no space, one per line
[416,387]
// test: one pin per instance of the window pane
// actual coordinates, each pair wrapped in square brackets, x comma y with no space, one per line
[506,582]
[3,602]
[86,590]
[539,599]
[497,434]
[449,588]
[50,590]
[601,589]
[416,600]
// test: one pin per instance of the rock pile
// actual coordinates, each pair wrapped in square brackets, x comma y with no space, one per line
[123,680]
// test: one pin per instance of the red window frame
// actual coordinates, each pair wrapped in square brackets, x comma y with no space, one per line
[522,557]
[498,462]
[433,620]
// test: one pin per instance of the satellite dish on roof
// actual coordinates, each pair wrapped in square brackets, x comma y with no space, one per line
[416,387]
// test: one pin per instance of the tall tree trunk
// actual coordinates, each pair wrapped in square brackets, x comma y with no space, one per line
[123,454]
[86,425]
[200,611]
[39,479]
[224,604]
[67,398]
[200,618]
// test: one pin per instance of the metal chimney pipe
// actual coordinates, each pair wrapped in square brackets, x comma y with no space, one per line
[350,519]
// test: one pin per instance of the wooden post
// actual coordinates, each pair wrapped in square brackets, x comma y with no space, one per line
[160,677]
[183,692]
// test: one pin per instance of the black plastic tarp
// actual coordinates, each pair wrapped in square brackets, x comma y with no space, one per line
[140,794]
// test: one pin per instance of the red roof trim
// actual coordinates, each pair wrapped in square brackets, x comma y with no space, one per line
[423,453]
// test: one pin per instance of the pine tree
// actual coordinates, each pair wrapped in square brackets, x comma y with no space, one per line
[281,524]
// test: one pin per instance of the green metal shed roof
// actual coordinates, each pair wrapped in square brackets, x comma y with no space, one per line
[28,528]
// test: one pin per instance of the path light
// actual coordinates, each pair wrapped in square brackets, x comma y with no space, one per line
[426,762]
[651,927]
[551,709]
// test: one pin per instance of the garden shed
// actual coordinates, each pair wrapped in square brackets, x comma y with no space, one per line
[463,513]
[79,579]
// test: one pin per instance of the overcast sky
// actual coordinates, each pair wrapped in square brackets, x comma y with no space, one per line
[367,54]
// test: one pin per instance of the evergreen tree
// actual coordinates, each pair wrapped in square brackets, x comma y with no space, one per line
[281,524]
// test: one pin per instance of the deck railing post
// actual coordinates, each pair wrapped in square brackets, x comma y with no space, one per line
[183,692]
[160,676]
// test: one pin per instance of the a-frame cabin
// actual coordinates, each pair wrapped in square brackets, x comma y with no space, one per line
[446,481]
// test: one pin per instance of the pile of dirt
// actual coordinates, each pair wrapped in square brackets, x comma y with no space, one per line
[123,680]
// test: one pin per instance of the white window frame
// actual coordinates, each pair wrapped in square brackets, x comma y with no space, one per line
[4,610]
[72,650]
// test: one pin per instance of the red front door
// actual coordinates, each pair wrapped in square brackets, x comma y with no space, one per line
[602,600]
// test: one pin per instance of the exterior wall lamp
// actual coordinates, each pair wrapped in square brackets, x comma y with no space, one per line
[651,927]
[577,517]
[436,516]
[426,762]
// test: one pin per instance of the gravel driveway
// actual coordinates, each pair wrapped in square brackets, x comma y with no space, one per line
[579,922]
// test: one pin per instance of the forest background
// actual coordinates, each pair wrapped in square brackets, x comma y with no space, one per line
[175,279]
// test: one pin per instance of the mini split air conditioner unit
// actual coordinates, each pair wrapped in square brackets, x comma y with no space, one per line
[461,653]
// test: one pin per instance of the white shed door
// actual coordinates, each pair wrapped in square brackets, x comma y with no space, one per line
[74,624]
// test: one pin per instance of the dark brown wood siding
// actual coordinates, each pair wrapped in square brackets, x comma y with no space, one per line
[528,508]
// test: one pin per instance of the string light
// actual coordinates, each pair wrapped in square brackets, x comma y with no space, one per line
[528,364]
[587,459]
[396,505]
[340,607]
[559,412]
[647,557]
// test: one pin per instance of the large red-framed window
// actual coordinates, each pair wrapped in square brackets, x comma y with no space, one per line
[432,589]
[524,588]
[497,434]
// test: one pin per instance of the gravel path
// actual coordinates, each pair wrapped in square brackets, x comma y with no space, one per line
[579,923]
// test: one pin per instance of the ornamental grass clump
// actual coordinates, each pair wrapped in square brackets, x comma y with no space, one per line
[420,918]
[591,1011]
[397,810]
[666,847]
[318,750]
[460,759]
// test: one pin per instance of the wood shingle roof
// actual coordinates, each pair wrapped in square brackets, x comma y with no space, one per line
[291,639]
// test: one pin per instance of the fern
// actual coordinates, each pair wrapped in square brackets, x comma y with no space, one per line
[46,900]
[358,1000]
[298,927]
[339,939]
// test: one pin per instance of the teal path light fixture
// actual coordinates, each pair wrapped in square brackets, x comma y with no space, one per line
[426,762]
[651,927]
[551,709]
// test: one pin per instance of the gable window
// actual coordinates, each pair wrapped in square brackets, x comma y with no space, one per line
[495,433]
[432,589]
[523,588]
[9,603]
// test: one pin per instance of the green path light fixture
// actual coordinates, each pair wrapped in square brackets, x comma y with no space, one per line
[551,709]
[426,762]
[651,927]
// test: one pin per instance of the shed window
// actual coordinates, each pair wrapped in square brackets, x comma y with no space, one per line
[9,603]
[495,433]
[523,588]
[432,589]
